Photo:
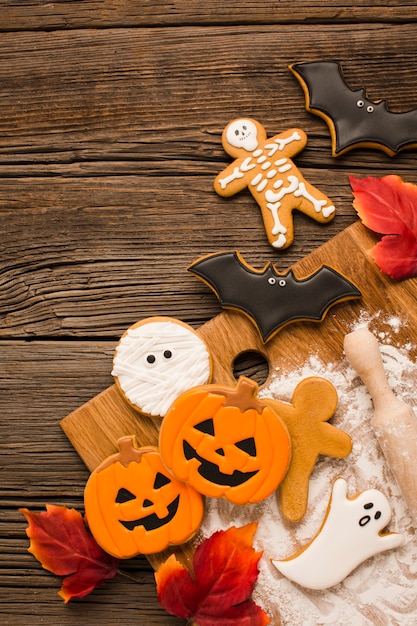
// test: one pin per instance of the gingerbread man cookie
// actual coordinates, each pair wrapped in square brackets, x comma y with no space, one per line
[350,534]
[313,403]
[263,165]
[156,360]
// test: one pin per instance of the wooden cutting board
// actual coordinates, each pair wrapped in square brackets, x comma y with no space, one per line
[95,427]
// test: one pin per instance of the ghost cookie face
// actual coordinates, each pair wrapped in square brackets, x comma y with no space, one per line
[352,532]
[263,165]
[156,360]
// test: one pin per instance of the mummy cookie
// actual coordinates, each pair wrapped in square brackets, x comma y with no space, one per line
[350,534]
[134,506]
[354,121]
[312,406]
[224,441]
[264,166]
[156,360]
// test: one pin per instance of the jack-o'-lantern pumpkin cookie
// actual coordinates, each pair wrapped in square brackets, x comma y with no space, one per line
[135,506]
[156,360]
[224,441]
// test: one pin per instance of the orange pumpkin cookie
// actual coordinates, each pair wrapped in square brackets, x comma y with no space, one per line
[133,505]
[224,441]
[263,165]
[313,403]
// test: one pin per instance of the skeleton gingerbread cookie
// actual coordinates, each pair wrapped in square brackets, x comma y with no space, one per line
[350,534]
[263,165]
[156,360]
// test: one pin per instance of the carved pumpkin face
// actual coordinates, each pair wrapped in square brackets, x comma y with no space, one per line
[225,442]
[133,505]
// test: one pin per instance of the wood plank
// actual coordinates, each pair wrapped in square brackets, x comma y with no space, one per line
[169,104]
[62,14]
[90,257]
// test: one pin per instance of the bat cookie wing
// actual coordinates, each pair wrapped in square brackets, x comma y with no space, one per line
[354,121]
[270,299]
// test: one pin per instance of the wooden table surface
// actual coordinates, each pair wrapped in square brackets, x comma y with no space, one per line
[111,116]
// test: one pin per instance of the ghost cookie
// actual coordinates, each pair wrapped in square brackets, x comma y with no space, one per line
[225,442]
[351,533]
[156,360]
[135,506]
[263,165]
[313,404]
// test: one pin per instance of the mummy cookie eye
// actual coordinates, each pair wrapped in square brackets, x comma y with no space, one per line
[360,104]
[167,354]
[151,358]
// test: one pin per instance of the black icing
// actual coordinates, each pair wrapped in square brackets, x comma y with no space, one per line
[211,472]
[356,119]
[152,521]
[271,299]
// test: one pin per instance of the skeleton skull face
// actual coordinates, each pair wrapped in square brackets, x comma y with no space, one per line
[242,133]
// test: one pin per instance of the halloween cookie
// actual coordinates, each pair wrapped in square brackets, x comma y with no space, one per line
[351,533]
[354,121]
[264,166]
[224,441]
[313,404]
[270,299]
[134,505]
[156,360]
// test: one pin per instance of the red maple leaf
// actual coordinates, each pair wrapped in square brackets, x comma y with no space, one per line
[388,206]
[218,592]
[59,539]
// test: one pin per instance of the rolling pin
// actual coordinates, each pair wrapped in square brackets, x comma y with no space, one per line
[394,422]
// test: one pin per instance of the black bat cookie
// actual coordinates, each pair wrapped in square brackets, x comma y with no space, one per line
[353,120]
[272,300]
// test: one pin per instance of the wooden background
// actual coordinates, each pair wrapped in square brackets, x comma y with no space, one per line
[111,116]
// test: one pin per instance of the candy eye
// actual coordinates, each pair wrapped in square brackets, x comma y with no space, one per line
[282,283]
[271,281]
[360,104]
[151,358]
[370,109]
[167,354]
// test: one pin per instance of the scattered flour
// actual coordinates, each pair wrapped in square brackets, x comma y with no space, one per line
[382,591]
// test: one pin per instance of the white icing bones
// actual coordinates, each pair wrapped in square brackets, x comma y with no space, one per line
[350,534]
[274,181]
[156,361]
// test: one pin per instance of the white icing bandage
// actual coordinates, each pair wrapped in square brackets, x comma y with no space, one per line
[157,360]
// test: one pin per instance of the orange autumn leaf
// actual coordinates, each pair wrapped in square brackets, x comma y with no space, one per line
[388,206]
[60,541]
[218,591]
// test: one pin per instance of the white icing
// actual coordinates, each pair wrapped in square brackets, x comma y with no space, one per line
[351,533]
[242,133]
[156,361]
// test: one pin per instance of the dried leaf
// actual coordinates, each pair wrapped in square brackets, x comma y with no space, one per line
[218,591]
[388,206]
[59,539]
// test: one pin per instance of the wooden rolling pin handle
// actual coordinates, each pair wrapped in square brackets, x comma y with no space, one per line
[362,351]
[394,421]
